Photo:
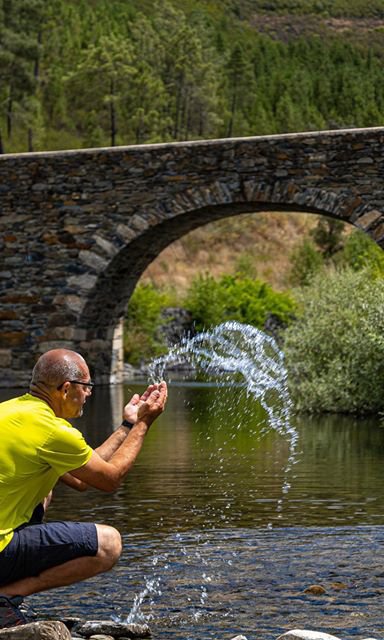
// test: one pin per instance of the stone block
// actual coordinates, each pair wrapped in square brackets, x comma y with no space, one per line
[368,218]
[93,260]
[108,247]
[5,357]
[59,333]
[71,301]
[13,338]
[84,282]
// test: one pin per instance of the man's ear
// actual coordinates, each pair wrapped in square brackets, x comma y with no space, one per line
[65,388]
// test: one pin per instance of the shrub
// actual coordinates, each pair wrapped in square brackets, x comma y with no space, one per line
[141,339]
[335,350]
[306,261]
[361,252]
[233,297]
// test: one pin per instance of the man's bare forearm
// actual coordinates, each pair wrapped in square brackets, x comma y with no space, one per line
[105,451]
[73,482]
[111,444]
[124,457]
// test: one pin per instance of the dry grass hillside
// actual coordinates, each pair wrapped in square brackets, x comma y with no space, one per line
[258,244]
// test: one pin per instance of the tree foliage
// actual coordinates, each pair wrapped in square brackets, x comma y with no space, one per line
[84,73]
[233,297]
[141,338]
[335,350]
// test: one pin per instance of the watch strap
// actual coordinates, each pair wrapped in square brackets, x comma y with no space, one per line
[127,424]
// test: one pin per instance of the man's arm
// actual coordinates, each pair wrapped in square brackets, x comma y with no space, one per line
[116,439]
[107,475]
[73,482]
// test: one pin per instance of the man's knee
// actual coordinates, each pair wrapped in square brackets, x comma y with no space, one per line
[109,544]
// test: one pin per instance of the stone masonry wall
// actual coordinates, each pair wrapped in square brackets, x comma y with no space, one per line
[78,228]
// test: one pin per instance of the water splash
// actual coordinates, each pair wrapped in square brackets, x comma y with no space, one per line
[233,354]
[152,588]
[237,353]
[232,350]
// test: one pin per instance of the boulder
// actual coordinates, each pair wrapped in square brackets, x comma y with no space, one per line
[43,630]
[110,628]
[304,634]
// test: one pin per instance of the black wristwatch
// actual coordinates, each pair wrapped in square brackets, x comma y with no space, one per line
[127,424]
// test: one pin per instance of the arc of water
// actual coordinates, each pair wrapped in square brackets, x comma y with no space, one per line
[236,348]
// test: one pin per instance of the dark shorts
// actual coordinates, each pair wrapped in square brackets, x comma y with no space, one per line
[37,547]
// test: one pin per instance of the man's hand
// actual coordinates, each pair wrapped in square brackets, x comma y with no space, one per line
[154,404]
[114,458]
[147,406]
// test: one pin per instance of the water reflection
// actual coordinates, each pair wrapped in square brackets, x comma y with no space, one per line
[199,519]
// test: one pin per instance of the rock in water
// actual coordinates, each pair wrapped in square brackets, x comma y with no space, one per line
[44,630]
[305,634]
[110,628]
[315,589]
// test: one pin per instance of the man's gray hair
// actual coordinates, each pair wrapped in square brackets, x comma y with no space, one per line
[56,370]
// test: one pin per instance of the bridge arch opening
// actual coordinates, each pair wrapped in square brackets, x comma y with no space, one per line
[100,323]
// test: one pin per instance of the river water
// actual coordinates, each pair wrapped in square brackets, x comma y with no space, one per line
[213,544]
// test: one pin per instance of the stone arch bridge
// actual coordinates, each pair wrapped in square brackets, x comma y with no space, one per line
[78,228]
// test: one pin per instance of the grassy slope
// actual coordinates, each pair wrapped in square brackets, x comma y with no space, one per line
[259,244]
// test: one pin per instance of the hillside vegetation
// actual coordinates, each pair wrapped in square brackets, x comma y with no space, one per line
[94,73]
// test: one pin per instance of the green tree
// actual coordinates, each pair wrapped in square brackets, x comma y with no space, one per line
[102,78]
[20,32]
[335,349]
[190,73]
[328,236]
[240,85]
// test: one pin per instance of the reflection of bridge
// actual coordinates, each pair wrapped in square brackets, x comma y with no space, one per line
[78,228]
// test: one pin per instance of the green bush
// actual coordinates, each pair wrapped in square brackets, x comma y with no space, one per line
[306,262]
[233,297]
[335,350]
[361,252]
[141,339]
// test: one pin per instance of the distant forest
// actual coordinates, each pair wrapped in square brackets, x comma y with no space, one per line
[86,73]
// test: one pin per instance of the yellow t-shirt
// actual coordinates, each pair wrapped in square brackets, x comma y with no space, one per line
[36,448]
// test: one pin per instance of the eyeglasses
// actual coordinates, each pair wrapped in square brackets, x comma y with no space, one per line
[89,385]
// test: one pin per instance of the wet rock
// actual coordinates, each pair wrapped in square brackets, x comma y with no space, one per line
[43,630]
[114,629]
[339,585]
[315,589]
[305,634]
[71,621]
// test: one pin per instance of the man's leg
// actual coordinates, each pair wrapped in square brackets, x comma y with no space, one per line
[109,551]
